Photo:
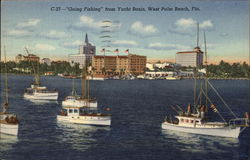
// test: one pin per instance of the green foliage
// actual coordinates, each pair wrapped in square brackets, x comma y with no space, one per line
[225,70]
[26,67]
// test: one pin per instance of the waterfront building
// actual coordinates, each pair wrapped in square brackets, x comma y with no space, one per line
[119,65]
[46,61]
[190,58]
[86,52]
[29,57]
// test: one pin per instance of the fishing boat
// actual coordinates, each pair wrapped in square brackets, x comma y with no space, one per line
[83,115]
[196,120]
[75,100]
[9,123]
[36,91]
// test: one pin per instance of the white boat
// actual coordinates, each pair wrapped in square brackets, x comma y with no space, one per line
[194,124]
[82,115]
[9,123]
[77,101]
[195,120]
[37,92]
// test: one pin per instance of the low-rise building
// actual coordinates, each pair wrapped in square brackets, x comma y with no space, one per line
[29,57]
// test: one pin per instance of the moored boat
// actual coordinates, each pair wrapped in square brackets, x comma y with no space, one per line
[9,123]
[196,119]
[38,92]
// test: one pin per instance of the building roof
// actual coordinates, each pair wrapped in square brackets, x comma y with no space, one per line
[188,52]
[110,56]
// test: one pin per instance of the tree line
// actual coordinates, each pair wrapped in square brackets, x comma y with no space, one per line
[222,70]
[27,67]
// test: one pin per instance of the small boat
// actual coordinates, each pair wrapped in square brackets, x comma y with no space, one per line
[83,115]
[196,119]
[38,92]
[9,122]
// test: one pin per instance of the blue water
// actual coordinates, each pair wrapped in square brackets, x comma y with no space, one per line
[138,108]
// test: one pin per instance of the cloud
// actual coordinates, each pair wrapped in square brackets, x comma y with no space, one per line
[73,44]
[186,23]
[18,33]
[143,30]
[206,24]
[94,25]
[29,23]
[44,47]
[125,43]
[188,26]
[161,46]
[53,34]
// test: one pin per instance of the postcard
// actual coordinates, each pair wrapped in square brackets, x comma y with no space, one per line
[128,80]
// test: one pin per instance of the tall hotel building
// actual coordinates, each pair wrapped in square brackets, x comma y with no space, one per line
[119,65]
[86,52]
[190,58]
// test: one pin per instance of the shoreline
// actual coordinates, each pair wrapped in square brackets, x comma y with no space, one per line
[210,78]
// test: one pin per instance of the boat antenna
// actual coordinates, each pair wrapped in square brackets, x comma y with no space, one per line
[6,104]
[197,34]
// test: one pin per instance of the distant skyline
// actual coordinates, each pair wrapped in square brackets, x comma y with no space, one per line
[156,34]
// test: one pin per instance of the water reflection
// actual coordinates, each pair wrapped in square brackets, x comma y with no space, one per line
[80,137]
[7,141]
[41,102]
[200,143]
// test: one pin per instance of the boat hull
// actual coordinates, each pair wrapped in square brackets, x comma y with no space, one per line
[42,96]
[221,132]
[88,120]
[10,129]
[79,103]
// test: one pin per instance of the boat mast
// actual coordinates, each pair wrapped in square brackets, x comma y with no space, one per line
[84,81]
[195,69]
[36,74]
[6,104]
[206,74]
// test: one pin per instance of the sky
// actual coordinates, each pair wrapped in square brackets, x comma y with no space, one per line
[55,29]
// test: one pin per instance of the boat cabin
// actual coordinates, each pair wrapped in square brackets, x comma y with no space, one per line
[76,111]
[189,120]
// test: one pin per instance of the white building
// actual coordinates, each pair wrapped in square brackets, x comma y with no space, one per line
[77,58]
[161,65]
[190,58]
[86,52]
